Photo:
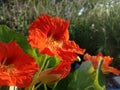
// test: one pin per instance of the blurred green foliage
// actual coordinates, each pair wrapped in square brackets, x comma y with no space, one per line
[94,24]
[98,30]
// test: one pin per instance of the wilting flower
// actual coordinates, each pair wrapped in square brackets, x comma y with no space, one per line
[16,67]
[105,65]
[54,74]
[50,36]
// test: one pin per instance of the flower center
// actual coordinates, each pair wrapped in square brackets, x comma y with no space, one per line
[6,68]
[54,43]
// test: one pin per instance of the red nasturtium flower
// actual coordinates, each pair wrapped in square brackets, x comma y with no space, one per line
[16,67]
[51,36]
[106,68]
[54,74]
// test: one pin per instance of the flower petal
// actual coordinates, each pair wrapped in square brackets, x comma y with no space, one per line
[37,39]
[71,46]
[55,74]
[18,67]
[106,68]
[56,27]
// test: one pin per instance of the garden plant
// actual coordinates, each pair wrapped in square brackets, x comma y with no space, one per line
[59,44]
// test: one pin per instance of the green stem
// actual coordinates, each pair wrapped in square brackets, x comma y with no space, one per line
[45,87]
[46,65]
[33,87]
[38,86]
[36,77]
[99,65]
[43,64]
[54,86]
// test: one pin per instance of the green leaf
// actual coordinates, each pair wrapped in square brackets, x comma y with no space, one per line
[81,78]
[85,78]
[8,35]
[48,61]
[53,61]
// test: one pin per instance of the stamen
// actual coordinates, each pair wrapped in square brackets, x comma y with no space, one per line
[4,61]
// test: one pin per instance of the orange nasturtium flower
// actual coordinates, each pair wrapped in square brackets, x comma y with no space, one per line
[51,36]
[16,67]
[105,65]
[55,74]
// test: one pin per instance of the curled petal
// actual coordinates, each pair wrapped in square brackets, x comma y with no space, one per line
[55,74]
